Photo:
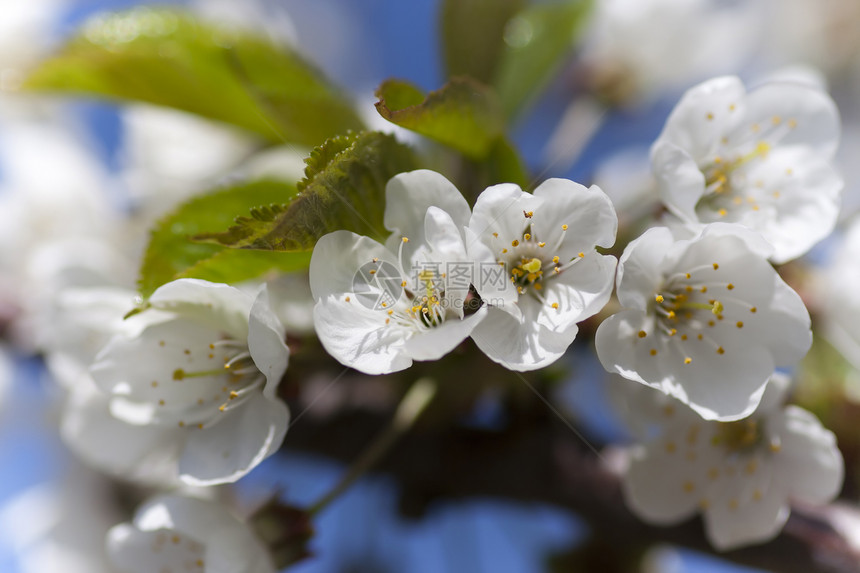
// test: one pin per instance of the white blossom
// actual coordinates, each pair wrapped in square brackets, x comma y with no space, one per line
[205,358]
[379,307]
[706,320]
[838,298]
[632,46]
[549,274]
[740,475]
[763,159]
[184,534]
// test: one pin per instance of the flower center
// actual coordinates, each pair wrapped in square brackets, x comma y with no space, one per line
[531,261]
[689,305]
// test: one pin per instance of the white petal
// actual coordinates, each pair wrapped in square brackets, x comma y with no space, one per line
[639,267]
[808,459]
[653,487]
[621,350]
[745,509]
[220,306]
[409,195]
[434,343]
[490,282]
[232,551]
[499,209]
[680,182]
[703,115]
[229,449]
[588,213]
[266,343]
[813,114]
[359,338]
[137,452]
[336,259]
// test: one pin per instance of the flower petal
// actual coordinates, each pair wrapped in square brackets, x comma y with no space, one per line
[680,182]
[808,458]
[639,267]
[220,306]
[703,115]
[587,212]
[359,338]
[266,343]
[434,343]
[232,447]
[339,256]
[499,209]
[409,195]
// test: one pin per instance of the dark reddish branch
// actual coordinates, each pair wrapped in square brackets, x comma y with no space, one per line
[542,461]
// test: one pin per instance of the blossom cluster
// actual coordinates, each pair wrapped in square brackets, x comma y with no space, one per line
[695,321]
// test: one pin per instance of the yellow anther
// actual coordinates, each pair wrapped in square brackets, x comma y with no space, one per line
[527,236]
[181,424]
[722,212]
[554,305]
[564,227]
[581,255]
[659,298]
[792,123]
[537,286]
[496,235]
[532,266]
[753,310]
[704,289]
[688,360]
[717,307]
[405,239]
[515,243]
[375,259]
[504,251]
[699,336]
[689,487]
[673,332]
[384,304]
[740,324]
[390,312]
[541,244]
[671,314]
[653,352]
[347,299]
[222,407]
[732,107]
[721,350]
[528,214]
[710,116]
[555,260]
[716,266]
[688,288]
[642,334]
[403,284]
[730,286]
[234,395]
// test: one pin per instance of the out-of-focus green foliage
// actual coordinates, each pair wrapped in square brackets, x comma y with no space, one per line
[171,253]
[537,41]
[473,35]
[464,115]
[343,188]
[166,57]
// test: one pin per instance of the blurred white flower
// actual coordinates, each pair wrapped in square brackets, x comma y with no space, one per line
[549,274]
[205,358]
[706,320]
[378,307]
[740,475]
[61,526]
[636,48]
[172,533]
[763,159]
[169,155]
[837,297]
[27,32]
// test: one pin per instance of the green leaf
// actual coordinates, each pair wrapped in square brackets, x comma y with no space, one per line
[237,265]
[464,115]
[171,254]
[538,40]
[473,35]
[165,57]
[343,188]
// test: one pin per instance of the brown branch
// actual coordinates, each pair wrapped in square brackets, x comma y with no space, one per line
[541,461]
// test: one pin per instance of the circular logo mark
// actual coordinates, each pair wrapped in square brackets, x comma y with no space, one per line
[377,285]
